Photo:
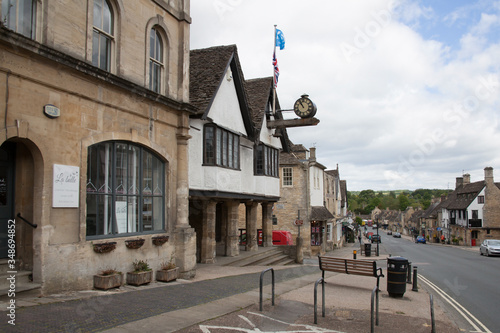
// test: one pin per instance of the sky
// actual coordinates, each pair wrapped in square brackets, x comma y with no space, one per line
[407,91]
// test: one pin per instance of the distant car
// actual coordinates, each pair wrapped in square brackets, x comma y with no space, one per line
[369,235]
[376,239]
[490,247]
[396,235]
[389,232]
[420,239]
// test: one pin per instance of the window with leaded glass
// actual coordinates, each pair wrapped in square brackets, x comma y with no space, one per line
[125,190]
[266,161]
[221,147]
[103,35]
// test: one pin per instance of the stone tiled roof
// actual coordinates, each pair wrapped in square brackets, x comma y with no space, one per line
[259,92]
[320,213]
[288,159]
[207,68]
[465,194]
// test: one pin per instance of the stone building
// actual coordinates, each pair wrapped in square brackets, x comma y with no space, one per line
[302,198]
[473,210]
[233,169]
[94,138]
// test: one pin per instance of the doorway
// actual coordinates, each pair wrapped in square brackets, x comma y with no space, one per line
[7,167]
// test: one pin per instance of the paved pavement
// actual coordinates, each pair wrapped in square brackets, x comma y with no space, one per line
[228,297]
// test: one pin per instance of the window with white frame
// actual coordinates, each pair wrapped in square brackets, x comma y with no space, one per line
[156,63]
[20,16]
[103,34]
[329,231]
[125,190]
[287,176]
[221,147]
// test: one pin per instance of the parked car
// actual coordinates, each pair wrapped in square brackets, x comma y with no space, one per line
[369,235]
[420,239]
[396,235]
[376,239]
[389,232]
[490,247]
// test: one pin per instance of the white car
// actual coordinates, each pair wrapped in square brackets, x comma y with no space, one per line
[490,247]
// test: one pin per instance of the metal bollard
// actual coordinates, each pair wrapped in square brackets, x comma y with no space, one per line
[433,321]
[354,254]
[415,288]
[261,282]
[409,273]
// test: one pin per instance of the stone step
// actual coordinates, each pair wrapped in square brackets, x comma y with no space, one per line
[247,260]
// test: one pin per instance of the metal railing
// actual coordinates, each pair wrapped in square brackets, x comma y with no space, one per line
[28,222]
[261,280]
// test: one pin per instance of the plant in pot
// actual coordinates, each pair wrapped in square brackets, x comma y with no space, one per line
[142,273]
[107,279]
[167,272]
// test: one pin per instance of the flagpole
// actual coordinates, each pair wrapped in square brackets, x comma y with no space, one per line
[274,74]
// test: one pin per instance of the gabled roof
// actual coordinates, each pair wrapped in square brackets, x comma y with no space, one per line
[465,194]
[207,70]
[259,92]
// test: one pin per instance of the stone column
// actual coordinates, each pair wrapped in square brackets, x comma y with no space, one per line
[251,226]
[185,236]
[232,247]
[267,224]
[208,244]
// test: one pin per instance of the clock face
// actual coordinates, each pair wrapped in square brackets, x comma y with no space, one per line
[304,108]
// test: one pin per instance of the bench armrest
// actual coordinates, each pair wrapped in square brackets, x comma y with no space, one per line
[380,273]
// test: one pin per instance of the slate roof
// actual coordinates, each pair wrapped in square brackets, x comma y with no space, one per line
[320,213]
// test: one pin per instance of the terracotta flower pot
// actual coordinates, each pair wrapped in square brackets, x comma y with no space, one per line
[139,278]
[105,282]
[167,275]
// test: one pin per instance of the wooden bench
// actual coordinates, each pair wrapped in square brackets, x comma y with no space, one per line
[350,266]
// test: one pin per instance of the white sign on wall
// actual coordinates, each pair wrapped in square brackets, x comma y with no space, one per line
[66,186]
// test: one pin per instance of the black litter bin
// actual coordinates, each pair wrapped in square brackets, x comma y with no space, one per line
[368,249]
[397,268]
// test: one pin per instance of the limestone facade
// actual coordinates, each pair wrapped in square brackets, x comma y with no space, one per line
[54,68]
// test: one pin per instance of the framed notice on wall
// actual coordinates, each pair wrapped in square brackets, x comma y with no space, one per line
[66,186]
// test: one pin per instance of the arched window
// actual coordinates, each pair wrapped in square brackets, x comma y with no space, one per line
[125,190]
[20,16]
[103,35]
[155,60]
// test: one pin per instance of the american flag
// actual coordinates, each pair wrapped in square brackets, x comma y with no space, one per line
[276,69]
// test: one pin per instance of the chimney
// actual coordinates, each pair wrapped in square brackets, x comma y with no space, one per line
[488,175]
[466,179]
[312,156]
[459,182]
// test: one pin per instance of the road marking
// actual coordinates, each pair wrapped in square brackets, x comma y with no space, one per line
[457,306]
[301,328]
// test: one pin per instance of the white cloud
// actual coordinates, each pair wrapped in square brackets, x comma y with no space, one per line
[395,102]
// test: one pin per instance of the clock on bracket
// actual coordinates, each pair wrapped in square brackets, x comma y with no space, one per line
[304,107]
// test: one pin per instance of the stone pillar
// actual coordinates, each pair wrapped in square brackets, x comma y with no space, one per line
[251,226]
[184,235]
[232,246]
[267,224]
[208,244]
